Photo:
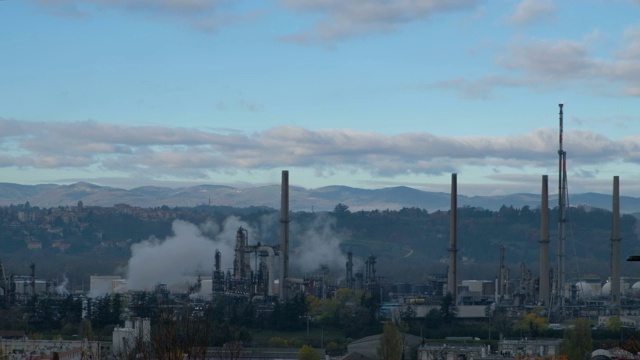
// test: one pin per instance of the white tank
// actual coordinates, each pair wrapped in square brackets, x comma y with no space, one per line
[635,289]
[584,290]
[606,289]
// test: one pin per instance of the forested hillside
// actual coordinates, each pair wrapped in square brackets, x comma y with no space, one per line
[424,237]
[409,243]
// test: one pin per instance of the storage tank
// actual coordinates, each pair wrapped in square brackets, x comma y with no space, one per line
[583,290]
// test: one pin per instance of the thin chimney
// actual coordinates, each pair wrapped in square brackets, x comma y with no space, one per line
[615,246]
[544,243]
[284,234]
[452,280]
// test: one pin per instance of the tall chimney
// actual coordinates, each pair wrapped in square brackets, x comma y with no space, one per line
[615,246]
[33,279]
[544,243]
[284,234]
[502,274]
[452,280]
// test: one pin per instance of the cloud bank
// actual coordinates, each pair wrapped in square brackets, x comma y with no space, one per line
[157,152]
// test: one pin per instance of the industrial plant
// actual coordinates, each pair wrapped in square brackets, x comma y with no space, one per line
[261,275]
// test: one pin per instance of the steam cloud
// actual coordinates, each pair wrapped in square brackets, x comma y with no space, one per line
[190,250]
[62,288]
[317,245]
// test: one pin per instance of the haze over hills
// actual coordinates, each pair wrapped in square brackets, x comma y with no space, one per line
[301,199]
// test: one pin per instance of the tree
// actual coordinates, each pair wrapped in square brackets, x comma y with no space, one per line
[448,308]
[354,320]
[177,335]
[632,344]
[436,352]
[116,309]
[577,343]
[290,315]
[614,324]
[407,313]
[500,320]
[308,353]
[85,331]
[233,350]
[333,348]
[391,344]
[433,320]
[532,323]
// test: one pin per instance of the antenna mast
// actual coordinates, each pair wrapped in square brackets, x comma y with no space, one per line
[562,205]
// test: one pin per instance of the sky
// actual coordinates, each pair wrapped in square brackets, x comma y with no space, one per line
[362,93]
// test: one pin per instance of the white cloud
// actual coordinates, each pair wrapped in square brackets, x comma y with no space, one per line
[180,153]
[531,11]
[347,19]
[559,63]
[551,59]
[206,15]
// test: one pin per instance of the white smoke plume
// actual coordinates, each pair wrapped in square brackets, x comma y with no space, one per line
[317,245]
[270,228]
[62,288]
[188,252]
[209,228]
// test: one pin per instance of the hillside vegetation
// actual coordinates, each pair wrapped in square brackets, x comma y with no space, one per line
[408,243]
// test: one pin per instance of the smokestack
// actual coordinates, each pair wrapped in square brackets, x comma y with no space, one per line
[544,243]
[452,280]
[4,284]
[284,234]
[615,246]
[503,290]
[33,279]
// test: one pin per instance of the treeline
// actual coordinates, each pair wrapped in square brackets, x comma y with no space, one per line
[345,316]
[405,241]
[226,319]
[482,232]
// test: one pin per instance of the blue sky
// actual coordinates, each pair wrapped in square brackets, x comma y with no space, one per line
[364,93]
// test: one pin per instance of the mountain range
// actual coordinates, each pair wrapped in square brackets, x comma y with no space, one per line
[301,199]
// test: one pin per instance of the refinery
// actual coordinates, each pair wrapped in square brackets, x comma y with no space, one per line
[261,274]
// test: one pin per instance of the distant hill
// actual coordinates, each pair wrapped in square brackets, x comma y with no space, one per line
[320,199]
